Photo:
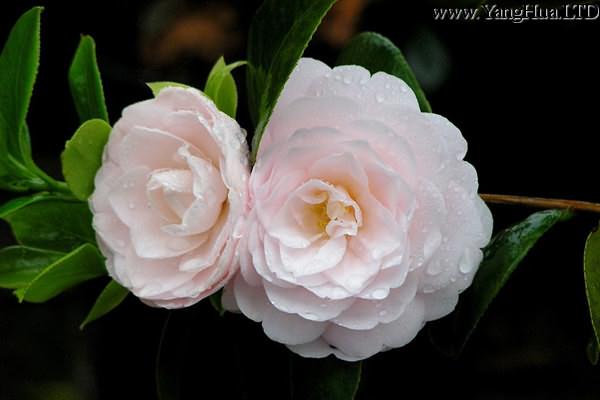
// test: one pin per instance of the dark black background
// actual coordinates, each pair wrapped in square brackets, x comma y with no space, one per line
[524,96]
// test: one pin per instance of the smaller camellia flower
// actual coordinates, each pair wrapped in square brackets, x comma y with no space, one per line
[365,220]
[170,197]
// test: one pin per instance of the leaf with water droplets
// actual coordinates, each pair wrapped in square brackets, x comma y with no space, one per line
[501,258]
[82,156]
[19,265]
[377,53]
[82,264]
[591,273]
[85,82]
[49,222]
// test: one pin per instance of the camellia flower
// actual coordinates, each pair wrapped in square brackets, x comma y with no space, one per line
[365,220]
[170,196]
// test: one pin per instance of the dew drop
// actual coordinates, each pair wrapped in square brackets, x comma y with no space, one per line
[428,289]
[347,80]
[363,82]
[465,265]
[379,98]
[323,305]
[382,313]
[131,205]
[310,316]
[379,294]
[355,282]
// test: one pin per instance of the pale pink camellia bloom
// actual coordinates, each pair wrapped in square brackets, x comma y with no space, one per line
[170,197]
[365,220]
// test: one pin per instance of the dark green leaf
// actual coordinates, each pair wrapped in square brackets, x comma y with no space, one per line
[85,82]
[279,33]
[501,257]
[19,265]
[221,87]
[112,295]
[80,265]
[18,69]
[20,202]
[82,156]
[156,87]
[377,53]
[328,378]
[49,222]
[593,350]
[215,301]
[591,273]
[19,62]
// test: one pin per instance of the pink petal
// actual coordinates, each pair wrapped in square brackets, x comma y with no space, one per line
[290,329]
[304,303]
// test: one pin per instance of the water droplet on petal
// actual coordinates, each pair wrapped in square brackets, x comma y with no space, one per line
[403,88]
[428,289]
[347,80]
[310,316]
[323,305]
[465,265]
[131,205]
[379,294]
[382,313]
[379,98]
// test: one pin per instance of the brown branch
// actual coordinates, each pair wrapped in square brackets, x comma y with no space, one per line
[541,202]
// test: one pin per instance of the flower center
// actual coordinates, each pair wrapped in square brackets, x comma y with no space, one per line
[170,192]
[331,211]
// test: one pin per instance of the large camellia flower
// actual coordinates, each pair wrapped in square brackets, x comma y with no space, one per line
[169,197]
[365,220]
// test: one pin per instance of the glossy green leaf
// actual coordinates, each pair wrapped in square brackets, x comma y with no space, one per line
[85,82]
[501,258]
[156,87]
[49,222]
[80,265]
[18,69]
[112,295]
[19,62]
[328,378]
[279,33]
[82,156]
[19,265]
[591,273]
[377,53]
[15,204]
[221,87]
